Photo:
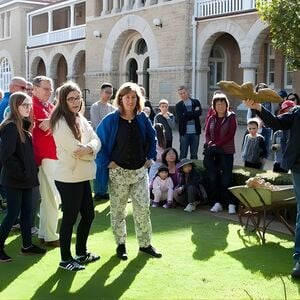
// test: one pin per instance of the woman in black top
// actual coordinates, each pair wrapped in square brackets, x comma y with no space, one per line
[19,172]
[128,145]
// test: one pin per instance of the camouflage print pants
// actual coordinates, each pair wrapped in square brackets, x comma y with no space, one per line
[133,184]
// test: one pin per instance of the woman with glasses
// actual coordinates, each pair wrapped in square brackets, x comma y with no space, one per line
[128,145]
[19,172]
[293,97]
[76,147]
[218,154]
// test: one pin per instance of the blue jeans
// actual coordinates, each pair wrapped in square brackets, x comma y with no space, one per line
[186,141]
[296,182]
[99,187]
[19,201]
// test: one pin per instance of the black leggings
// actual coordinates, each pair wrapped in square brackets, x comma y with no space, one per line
[75,198]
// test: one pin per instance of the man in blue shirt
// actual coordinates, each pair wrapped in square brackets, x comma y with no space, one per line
[17,84]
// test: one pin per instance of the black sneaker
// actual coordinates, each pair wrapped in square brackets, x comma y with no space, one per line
[121,252]
[4,257]
[87,258]
[33,249]
[151,251]
[71,265]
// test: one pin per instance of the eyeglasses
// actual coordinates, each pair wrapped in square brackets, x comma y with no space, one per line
[292,99]
[23,88]
[26,105]
[73,99]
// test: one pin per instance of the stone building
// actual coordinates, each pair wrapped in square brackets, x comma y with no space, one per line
[160,44]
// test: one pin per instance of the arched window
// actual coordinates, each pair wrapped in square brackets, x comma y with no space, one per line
[141,47]
[132,70]
[5,74]
[216,66]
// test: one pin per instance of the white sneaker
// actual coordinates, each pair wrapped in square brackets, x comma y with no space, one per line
[216,208]
[231,209]
[190,207]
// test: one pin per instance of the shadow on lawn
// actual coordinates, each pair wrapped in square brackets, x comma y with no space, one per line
[270,259]
[209,238]
[60,283]
[10,271]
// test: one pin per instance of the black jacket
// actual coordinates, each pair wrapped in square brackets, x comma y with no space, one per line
[290,120]
[18,166]
[183,116]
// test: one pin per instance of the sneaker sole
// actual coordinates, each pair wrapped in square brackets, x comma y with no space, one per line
[6,260]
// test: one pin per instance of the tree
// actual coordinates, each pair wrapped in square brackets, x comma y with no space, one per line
[283,17]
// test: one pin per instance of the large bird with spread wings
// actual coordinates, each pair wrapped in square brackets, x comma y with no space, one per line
[246,91]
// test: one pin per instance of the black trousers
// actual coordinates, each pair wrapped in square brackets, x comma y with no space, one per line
[75,198]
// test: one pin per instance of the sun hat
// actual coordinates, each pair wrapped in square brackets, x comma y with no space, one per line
[185,162]
[286,105]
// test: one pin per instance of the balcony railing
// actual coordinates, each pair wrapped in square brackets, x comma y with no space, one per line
[208,8]
[58,36]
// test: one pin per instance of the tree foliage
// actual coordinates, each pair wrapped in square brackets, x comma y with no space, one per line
[283,17]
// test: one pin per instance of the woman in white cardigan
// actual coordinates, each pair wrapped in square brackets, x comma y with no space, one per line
[76,147]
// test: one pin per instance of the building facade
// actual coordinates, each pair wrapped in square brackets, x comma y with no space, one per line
[160,44]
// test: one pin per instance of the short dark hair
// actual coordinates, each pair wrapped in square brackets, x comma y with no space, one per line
[106,85]
[253,121]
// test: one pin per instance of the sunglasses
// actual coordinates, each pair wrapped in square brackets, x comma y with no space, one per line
[23,88]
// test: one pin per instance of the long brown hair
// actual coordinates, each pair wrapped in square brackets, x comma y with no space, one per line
[160,134]
[14,116]
[125,89]
[61,109]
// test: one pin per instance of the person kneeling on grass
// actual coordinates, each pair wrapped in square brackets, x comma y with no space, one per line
[189,191]
[163,187]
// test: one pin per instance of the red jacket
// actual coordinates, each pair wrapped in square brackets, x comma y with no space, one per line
[43,142]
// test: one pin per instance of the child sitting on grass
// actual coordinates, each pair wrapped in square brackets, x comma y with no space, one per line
[189,191]
[162,187]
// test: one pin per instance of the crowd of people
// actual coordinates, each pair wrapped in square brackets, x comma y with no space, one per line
[50,153]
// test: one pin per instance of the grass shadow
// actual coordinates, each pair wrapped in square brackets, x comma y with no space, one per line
[61,280]
[118,286]
[11,270]
[261,258]
[209,239]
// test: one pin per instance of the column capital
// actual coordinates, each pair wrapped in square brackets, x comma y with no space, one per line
[246,65]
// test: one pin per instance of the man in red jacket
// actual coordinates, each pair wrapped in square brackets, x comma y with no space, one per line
[45,157]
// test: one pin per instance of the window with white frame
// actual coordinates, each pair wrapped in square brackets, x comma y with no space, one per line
[271,66]
[288,77]
[216,66]
[5,74]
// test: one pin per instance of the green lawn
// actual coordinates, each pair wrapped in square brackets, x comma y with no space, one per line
[204,257]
